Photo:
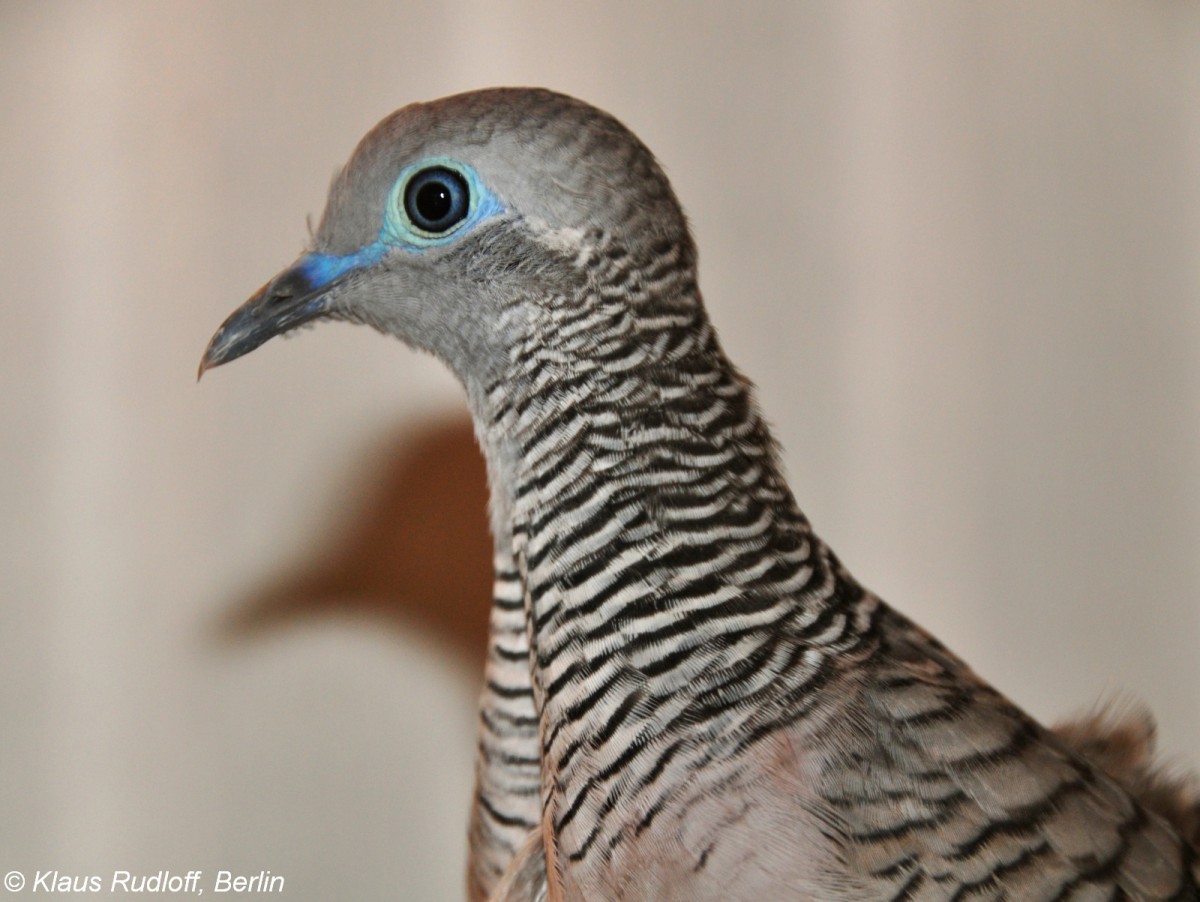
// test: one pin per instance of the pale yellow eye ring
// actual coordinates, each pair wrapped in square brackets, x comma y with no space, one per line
[468,199]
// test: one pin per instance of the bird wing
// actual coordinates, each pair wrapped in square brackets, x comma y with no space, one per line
[525,879]
[953,792]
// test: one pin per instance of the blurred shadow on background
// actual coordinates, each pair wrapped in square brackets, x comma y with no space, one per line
[415,552]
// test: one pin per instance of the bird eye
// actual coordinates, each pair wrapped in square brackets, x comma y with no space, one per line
[433,202]
[437,199]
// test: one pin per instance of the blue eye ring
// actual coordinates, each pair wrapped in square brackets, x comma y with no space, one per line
[432,202]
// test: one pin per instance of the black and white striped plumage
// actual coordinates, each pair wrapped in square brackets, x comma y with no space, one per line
[687,696]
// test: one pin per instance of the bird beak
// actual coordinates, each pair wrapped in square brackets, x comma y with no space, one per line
[294,297]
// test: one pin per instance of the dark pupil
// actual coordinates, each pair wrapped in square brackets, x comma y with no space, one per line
[433,201]
[437,199]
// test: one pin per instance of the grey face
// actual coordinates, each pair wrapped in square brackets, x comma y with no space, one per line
[452,217]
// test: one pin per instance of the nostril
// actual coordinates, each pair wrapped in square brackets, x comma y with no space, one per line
[288,287]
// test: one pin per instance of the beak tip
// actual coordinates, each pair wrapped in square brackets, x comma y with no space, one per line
[212,356]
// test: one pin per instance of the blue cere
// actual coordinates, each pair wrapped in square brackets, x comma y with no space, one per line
[400,231]
[321,269]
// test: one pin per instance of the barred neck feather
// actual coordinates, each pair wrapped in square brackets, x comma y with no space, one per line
[679,607]
[645,482]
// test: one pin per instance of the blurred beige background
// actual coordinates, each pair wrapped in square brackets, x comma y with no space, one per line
[957,245]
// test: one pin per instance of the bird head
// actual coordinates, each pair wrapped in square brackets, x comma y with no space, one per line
[459,222]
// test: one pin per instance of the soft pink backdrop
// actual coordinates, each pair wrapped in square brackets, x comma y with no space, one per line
[957,245]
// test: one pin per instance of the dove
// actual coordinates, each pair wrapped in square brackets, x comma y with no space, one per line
[687,695]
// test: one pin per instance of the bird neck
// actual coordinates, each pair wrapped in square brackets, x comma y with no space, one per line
[638,489]
[674,599]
